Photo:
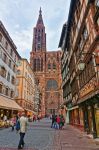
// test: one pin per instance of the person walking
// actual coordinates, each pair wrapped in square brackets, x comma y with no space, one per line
[13,122]
[23,127]
[53,120]
[58,121]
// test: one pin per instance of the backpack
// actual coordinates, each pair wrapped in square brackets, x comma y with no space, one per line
[18,125]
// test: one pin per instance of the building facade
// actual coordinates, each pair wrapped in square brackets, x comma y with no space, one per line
[47,68]
[8,66]
[25,87]
[81,48]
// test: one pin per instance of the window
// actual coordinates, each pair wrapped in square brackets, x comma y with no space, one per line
[6,45]
[13,80]
[12,94]
[11,52]
[39,46]
[49,66]
[14,68]
[1,88]
[4,57]
[9,63]
[3,72]
[39,38]
[15,58]
[41,64]
[0,37]
[51,84]
[6,91]
[8,77]
[54,66]
[38,64]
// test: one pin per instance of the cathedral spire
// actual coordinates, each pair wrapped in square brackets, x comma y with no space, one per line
[40,11]
[40,20]
[39,35]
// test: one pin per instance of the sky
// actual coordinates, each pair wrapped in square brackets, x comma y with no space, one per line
[20,17]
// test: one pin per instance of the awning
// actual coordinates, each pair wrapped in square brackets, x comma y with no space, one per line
[7,103]
[75,107]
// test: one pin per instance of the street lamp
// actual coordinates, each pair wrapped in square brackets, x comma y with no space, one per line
[81,64]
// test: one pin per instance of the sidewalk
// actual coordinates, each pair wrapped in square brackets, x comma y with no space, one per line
[71,138]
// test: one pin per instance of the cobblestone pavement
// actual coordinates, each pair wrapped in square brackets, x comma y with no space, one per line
[41,137]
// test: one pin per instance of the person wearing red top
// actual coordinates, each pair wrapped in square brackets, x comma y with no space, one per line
[58,121]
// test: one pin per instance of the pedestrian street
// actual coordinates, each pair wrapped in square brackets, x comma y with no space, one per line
[40,136]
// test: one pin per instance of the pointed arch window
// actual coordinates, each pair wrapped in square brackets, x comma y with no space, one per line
[54,66]
[39,38]
[39,46]
[38,64]
[41,64]
[49,66]
[51,84]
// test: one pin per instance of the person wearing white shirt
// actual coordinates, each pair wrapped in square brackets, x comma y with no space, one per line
[23,127]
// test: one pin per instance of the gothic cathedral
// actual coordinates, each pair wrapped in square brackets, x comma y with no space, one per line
[47,68]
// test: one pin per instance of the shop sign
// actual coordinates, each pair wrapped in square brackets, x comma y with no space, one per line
[88,87]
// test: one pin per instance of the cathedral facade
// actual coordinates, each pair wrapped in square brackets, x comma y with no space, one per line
[47,68]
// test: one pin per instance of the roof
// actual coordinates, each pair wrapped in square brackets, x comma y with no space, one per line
[40,19]
[62,35]
[9,38]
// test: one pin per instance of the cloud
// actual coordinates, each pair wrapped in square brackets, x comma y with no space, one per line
[20,16]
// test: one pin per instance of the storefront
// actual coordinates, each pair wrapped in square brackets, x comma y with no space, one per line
[74,115]
[90,109]
[8,107]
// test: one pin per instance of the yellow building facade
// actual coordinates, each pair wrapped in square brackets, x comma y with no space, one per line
[25,86]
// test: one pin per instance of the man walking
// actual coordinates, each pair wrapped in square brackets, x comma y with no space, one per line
[23,128]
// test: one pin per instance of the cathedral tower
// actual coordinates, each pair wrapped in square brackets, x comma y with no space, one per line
[47,69]
[38,56]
